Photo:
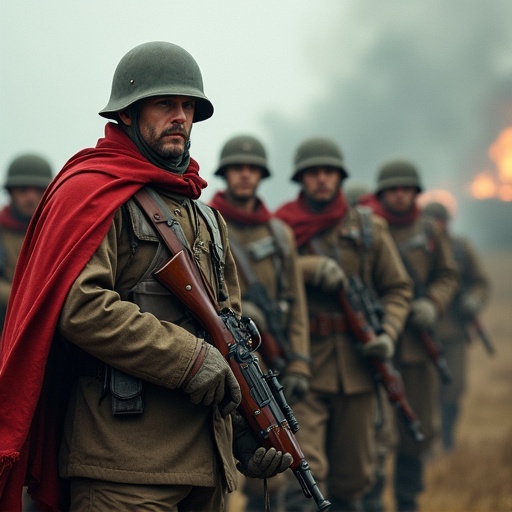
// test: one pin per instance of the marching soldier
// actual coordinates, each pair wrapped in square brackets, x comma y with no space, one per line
[454,329]
[429,262]
[270,281]
[335,241]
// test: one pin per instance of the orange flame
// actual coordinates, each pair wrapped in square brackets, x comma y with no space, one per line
[498,185]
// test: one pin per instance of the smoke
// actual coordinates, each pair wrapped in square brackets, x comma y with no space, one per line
[431,81]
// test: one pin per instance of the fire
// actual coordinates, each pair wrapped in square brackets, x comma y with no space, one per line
[496,185]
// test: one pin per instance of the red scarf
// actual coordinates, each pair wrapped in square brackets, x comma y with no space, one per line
[9,221]
[70,222]
[232,214]
[307,223]
[372,201]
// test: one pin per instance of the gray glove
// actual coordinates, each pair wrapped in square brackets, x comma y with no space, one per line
[255,313]
[381,346]
[295,387]
[470,305]
[213,382]
[254,461]
[329,276]
[423,314]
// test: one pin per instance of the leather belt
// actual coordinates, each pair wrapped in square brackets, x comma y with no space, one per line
[326,324]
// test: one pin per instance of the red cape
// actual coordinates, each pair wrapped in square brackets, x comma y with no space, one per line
[72,219]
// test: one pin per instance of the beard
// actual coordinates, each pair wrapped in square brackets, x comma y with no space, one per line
[166,149]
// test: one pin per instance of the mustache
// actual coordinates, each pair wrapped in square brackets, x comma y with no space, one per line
[176,130]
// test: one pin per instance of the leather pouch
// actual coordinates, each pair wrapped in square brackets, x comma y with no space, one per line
[126,393]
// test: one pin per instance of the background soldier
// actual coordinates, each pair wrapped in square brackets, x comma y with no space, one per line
[454,328]
[337,417]
[270,281]
[27,178]
[429,261]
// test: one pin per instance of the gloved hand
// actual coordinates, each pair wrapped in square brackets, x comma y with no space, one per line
[423,314]
[295,387]
[255,313]
[381,346]
[470,305]
[213,382]
[329,276]
[254,461]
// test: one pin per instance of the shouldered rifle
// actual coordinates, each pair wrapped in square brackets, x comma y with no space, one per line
[263,405]
[364,323]
[275,348]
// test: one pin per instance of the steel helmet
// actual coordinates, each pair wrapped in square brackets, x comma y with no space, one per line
[316,152]
[29,170]
[354,191]
[156,69]
[243,149]
[398,173]
[436,210]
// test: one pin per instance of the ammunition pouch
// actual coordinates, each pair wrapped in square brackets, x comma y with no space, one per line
[126,393]
[323,325]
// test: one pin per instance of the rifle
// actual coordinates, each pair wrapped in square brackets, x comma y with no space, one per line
[275,348]
[364,323]
[482,335]
[263,405]
[436,353]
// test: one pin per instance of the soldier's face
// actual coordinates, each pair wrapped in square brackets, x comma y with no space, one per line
[242,181]
[321,184]
[165,123]
[25,200]
[398,200]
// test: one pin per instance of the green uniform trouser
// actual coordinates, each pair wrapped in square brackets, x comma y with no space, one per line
[337,436]
[98,495]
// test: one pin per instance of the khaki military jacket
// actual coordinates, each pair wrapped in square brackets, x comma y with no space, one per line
[431,265]
[10,247]
[336,363]
[453,327]
[284,283]
[173,441]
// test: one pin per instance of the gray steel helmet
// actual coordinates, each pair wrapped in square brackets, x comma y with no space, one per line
[318,152]
[398,173]
[157,69]
[243,149]
[354,191]
[436,210]
[29,171]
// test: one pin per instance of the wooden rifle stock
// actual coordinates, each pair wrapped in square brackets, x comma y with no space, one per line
[384,371]
[263,404]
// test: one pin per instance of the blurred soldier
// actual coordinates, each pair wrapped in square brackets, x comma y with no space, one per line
[270,281]
[353,191]
[337,417]
[27,178]
[453,333]
[429,261]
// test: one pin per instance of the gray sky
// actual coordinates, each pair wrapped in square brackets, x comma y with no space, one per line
[431,81]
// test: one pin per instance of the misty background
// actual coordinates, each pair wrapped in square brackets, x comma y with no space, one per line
[428,81]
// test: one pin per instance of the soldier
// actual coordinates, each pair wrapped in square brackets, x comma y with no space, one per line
[270,281]
[28,176]
[91,333]
[429,261]
[453,330]
[337,416]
